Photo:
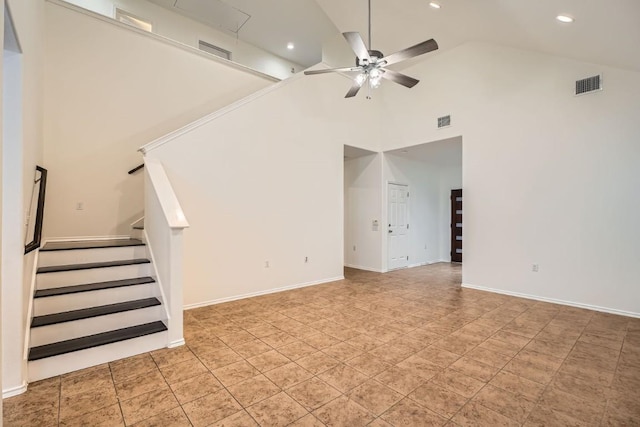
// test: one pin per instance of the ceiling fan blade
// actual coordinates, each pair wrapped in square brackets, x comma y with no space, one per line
[357,45]
[410,52]
[354,89]
[400,78]
[332,70]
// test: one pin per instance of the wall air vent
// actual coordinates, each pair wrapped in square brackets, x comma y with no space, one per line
[444,121]
[590,84]
[214,50]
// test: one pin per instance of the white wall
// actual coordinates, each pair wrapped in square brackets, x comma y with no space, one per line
[363,205]
[25,135]
[109,90]
[188,31]
[2,27]
[549,178]
[264,182]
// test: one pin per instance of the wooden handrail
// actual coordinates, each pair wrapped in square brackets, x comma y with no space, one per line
[136,169]
[37,232]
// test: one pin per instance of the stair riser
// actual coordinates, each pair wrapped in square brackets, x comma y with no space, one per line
[78,328]
[91,275]
[77,301]
[64,363]
[81,256]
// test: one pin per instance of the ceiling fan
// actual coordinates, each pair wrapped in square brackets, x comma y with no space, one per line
[371,64]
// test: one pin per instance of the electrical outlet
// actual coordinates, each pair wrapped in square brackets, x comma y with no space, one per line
[266,264]
[535,268]
[306,259]
[354,248]
[80,206]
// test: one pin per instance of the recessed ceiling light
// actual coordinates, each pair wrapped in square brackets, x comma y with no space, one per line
[434,5]
[564,18]
[290,46]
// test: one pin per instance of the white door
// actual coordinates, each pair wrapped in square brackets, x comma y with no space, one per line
[398,230]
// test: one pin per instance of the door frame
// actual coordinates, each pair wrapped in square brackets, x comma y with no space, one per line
[386,217]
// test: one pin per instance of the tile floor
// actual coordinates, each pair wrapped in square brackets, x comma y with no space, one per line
[408,348]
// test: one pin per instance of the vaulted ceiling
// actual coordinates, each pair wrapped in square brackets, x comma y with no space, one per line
[605,31]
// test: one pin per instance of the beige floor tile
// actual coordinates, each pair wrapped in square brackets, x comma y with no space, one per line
[288,375]
[343,377]
[193,388]
[308,420]
[276,411]
[148,405]
[343,412]
[437,356]
[376,337]
[317,363]
[438,399]
[457,382]
[511,406]
[140,385]
[408,413]
[235,373]
[219,358]
[474,369]
[297,350]
[239,419]
[518,386]
[89,380]
[172,418]
[88,401]
[474,414]
[374,396]
[253,390]
[183,370]
[211,408]
[368,364]
[268,361]
[171,356]
[132,367]
[403,380]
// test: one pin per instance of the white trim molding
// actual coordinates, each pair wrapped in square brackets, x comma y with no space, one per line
[359,267]
[177,343]
[259,293]
[14,391]
[82,239]
[553,301]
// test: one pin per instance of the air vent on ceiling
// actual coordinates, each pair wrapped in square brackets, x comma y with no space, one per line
[444,121]
[590,84]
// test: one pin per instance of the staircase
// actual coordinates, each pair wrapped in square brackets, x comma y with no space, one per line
[95,301]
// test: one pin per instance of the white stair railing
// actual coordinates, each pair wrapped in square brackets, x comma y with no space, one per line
[164,224]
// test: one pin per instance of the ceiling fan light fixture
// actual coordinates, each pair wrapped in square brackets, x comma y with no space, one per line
[565,19]
[435,5]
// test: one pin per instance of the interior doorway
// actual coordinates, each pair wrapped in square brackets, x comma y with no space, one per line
[456,225]
[398,230]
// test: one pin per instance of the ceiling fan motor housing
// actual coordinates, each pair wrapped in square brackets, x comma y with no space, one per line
[374,54]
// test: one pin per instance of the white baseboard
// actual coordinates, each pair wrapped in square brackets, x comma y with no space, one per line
[178,343]
[257,294]
[553,300]
[14,391]
[83,238]
[359,267]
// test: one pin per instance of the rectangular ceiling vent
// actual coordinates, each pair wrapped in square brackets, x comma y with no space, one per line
[588,85]
[444,121]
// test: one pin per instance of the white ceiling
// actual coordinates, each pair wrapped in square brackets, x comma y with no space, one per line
[270,25]
[604,31]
